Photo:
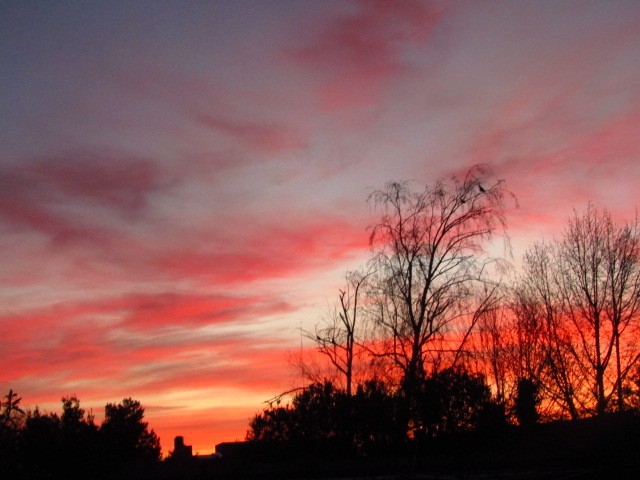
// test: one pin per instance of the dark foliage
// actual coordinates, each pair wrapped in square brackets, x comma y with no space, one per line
[315,414]
[126,434]
[452,401]
[275,424]
[526,403]
[593,448]
[321,413]
[38,445]
[9,447]
[11,421]
[374,418]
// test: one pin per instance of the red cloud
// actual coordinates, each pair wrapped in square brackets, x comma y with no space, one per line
[361,51]
[56,195]
[119,182]
[68,338]
[62,353]
[26,204]
[156,310]
[83,359]
[268,250]
[236,364]
[244,363]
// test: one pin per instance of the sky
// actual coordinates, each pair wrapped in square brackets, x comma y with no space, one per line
[183,185]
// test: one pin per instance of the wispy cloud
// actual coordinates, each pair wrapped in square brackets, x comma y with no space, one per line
[266,138]
[63,196]
[358,51]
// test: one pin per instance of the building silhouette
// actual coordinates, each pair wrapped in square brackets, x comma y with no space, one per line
[180,450]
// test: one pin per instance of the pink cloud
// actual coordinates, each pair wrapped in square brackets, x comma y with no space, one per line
[75,356]
[25,204]
[264,137]
[617,140]
[156,310]
[119,182]
[247,366]
[229,250]
[607,150]
[360,51]
[268,250]
[568,132]
[148,372]
[68,337]
[45,194]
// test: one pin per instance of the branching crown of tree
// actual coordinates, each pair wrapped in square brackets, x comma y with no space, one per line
[431,277]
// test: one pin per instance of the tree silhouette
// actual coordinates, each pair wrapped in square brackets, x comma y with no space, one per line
[373,418]
[11,420]
[45,445]
[42,449]
[582,294]
[328,418]
[11,414]
[526,403]
[431,280]
[126,435]
[546,344]
[585,288]
[452,401]
[275,424]
[493,348]
[80,436]
[335,336]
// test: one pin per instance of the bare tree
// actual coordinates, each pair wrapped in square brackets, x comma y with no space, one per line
[584,286]
[585,290]
[622,251]
[431,276]
[545,342]
[600,265]
[495,347]
[335,336]
[602,288]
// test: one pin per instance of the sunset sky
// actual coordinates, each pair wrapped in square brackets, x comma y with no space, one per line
[184,184]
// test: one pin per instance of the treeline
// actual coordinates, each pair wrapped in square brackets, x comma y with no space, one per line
[34,444]
[376,417]
[438,333]
[466,432]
